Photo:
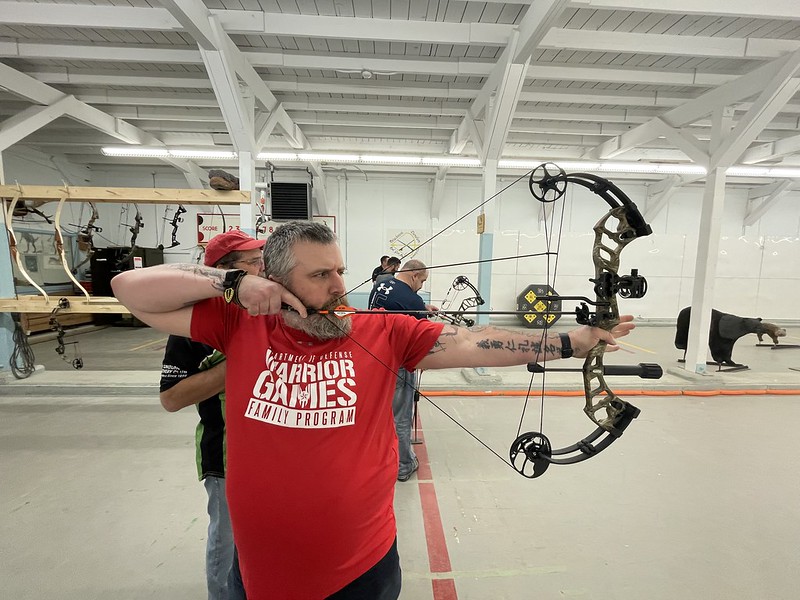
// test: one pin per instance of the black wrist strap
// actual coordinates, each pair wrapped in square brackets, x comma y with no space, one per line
[230,286]
[566,345]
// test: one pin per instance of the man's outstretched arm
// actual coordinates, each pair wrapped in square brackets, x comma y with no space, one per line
[496,347]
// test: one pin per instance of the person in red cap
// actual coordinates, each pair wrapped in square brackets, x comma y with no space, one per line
[194,373]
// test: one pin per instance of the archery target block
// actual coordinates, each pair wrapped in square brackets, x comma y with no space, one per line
[534,307]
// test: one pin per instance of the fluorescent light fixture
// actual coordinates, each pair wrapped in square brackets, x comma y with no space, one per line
[447,161]
[277,156]
[457,161]
[338,158]
[753,171]
[391,160]
[202,154]
[134,151]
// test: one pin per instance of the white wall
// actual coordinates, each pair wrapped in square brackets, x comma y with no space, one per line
[758,272]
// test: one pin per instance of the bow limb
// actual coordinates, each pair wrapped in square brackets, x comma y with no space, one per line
[60,245]
[12,240]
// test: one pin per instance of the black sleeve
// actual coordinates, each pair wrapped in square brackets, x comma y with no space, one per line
[182,359]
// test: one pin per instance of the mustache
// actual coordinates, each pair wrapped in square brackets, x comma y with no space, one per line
[335,303]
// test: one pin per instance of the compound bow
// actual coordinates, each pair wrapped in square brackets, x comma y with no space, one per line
[86,237]
[138,224]
[531,453]
[460,284]
[177,219]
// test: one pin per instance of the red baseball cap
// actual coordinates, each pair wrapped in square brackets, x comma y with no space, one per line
[233,241]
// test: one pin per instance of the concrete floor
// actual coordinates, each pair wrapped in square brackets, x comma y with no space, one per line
[697,500]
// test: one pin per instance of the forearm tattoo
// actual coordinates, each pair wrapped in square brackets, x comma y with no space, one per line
[498,340]
[216,276]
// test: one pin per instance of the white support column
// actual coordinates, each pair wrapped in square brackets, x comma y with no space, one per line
[320,193]
[438,192]
[6,291]
[705,270]
[247,181]
[486,244]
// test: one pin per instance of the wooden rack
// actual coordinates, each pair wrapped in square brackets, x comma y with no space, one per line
[48,193]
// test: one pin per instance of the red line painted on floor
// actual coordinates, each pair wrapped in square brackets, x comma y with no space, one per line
[438,557]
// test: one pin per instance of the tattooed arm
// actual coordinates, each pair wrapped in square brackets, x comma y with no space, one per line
[162,296]
[494,347]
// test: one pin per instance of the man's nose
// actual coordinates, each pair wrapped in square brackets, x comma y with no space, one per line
[337,284]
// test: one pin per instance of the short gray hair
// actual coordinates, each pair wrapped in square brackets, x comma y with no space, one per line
[279,257]
[414,265]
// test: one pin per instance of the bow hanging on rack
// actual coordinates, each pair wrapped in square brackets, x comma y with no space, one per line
[532,453]
[460,284]
[76,362]
[138,224]
[174,222]
[86,237]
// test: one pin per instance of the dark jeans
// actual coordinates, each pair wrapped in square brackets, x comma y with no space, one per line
[381,582]
[235,585]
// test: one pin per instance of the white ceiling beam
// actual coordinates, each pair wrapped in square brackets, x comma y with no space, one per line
[195,17]
[767,9]
[762,191]
[637,99]
[149,98]
[255,22]
[592,40]
[389,30]
[37,92]
[503,104]
[140,53]
[687,143]
[741,88]
[774,96]
[536,22]
[772,150]
[539,18]
[239,117]
[755,212]
[744,87]
[22,124]
[50,14]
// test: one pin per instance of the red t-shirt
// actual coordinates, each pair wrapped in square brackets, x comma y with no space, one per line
[311,444]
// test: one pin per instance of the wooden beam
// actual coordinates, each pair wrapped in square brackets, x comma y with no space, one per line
[77,304]
[117,195]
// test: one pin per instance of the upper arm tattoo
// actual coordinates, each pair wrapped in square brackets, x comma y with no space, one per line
[448,333]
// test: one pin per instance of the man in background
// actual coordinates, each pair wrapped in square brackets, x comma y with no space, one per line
[399,293]
[392,266]
[194,373]
[380,268]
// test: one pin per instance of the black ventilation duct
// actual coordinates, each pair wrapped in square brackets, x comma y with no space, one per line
[290,201]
